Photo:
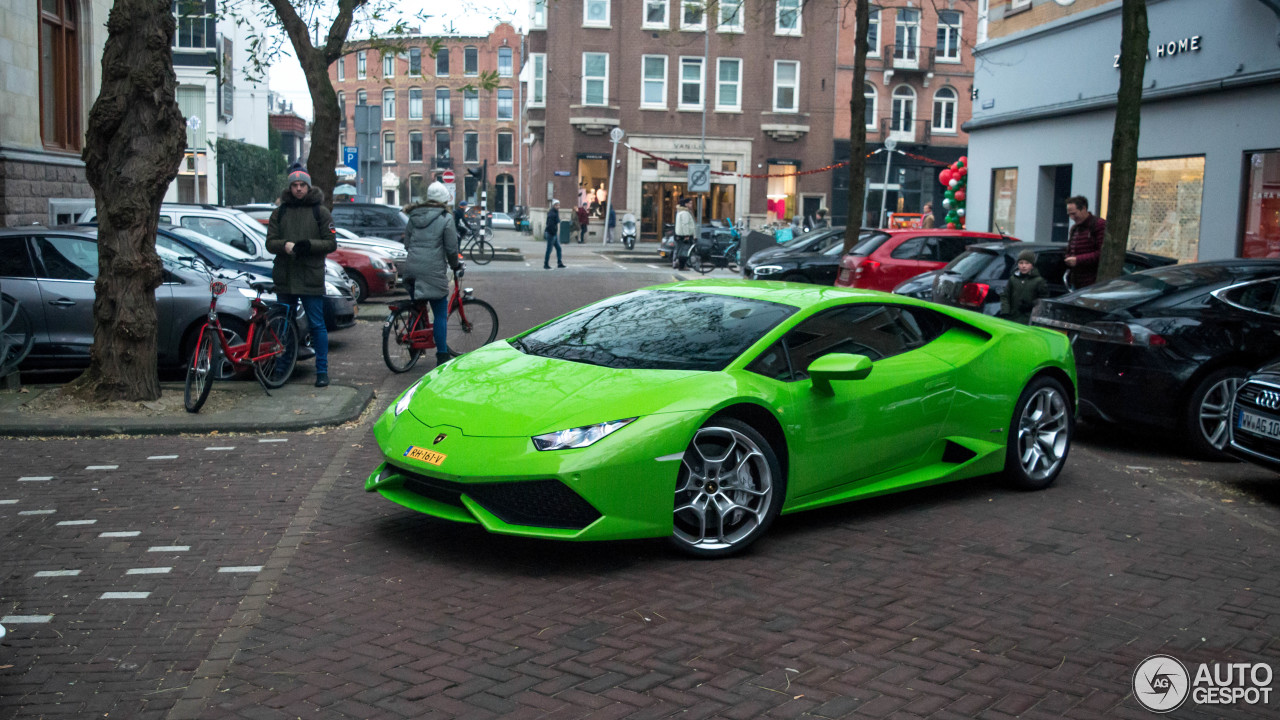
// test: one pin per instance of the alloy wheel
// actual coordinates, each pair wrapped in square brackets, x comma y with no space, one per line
[1044,432]
[725,492]
[1215,411]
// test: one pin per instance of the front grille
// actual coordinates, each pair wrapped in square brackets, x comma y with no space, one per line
[536,503]
[1261,445]
[1259,397]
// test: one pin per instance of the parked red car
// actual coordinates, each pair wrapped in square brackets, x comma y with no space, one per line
[885,260]
[372,274]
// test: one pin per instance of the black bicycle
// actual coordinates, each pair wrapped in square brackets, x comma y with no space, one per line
[477,246]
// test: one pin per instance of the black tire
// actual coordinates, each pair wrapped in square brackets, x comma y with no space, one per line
[480,329]
[236,331]
[276,333]
[1040,435]
[629,242]
[200,370]
[700,264]
[399,356]
[757,493]
[481,252]
[362,287]
[1208,412]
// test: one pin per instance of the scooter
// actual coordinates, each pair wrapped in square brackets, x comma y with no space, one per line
[629,231]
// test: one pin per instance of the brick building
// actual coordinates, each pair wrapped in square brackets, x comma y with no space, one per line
[918,87]
[765,83]
[435,117]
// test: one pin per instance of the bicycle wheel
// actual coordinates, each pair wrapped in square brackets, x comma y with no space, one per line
[396,350]
[702,264]
[481,252]
[731,258]
[200,372]
[480,327]
[276,339]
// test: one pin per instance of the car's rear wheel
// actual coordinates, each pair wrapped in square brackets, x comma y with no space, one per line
[729,489]
[1209,411]
[362,286]
[1040,435]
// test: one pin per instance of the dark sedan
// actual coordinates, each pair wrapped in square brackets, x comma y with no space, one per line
[1167,348]
[819,268]
[978,277]
[1254,430]
[814,242]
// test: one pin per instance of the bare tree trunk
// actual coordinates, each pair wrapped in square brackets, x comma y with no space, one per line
[857,128]
[134,144]
[1124,140]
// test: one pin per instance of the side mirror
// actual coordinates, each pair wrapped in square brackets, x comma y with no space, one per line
[837,366]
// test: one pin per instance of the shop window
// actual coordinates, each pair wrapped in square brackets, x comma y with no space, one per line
[1166,206]
[1004,201]
[780,194]
[1262,205]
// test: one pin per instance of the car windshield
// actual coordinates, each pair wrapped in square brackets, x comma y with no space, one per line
[1130,290]
[657,330]
[868,242]
[217,246]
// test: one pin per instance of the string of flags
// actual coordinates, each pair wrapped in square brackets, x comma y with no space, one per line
[764,176]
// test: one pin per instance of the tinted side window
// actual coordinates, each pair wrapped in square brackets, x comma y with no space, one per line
[1259,296]
[772,363]
[1051,266]
[877,331]
[343,217]
[15,261]
[68,258]
[909,249]
[949,248]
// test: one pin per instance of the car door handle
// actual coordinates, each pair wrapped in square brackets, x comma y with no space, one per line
[62,302]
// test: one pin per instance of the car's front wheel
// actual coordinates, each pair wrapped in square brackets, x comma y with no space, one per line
[729,489]
[1040,436]
[1209,411]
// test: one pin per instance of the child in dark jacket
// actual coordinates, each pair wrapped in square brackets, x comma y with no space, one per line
[1025,288]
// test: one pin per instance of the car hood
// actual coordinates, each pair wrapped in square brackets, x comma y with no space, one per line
[498,391]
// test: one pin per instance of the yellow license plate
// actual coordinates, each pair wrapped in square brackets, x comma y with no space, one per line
[425,455]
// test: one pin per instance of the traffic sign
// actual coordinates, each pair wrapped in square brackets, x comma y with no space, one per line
[446,177]
[699,177]
[351,157]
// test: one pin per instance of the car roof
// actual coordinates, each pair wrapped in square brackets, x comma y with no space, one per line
[949,232]
[798,294]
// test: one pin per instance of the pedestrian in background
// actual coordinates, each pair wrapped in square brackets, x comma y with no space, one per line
[552,235]
[432,241]
[797,226]
[685,227]
[1084,244]
[928,221]
[820,221]
[584,219]
[300,233]
[1025,289]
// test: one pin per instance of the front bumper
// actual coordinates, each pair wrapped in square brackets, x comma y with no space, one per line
[618,488]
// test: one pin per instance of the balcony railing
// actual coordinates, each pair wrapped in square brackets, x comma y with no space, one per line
[444,161]
[441,120]
[908,58]
[912,131]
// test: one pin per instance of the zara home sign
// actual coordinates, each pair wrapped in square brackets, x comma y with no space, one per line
[1171,48]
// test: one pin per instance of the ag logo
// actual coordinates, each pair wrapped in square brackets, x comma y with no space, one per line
[1161,683]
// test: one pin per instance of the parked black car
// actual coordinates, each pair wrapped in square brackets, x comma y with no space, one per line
[1167,348]
[371,219]
[978,277]
[1254,429]
[806,243]
[819,268]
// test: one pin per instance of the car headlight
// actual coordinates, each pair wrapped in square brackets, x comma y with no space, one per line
[768,270]
[331,289]
[251,294]
[403,403]
[578,437]
[379,263]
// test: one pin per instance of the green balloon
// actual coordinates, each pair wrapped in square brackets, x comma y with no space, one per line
[950,195]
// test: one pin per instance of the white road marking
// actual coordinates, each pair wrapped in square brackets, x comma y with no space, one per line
[241,569]
[8,502]
[77,522]
[57,573]
[148,571]
[120,533]
[124,595]
[102,467]
[35,478]
[24,619]
[266,440]
[221,448]
[169,548]
[162,457]
[36,512]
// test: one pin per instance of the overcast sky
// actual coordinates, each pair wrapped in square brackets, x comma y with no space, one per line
[458,17]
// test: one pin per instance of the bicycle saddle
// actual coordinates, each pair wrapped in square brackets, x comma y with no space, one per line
[263,287]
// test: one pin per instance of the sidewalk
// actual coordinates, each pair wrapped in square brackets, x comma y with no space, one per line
[233,406]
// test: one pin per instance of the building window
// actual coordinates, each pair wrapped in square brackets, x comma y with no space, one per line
[442,147]
[907,35]
[415,103]
[983,12]
[949,35]
[595,13]
[505,154]
[60,75]
[415,61]
[690,83]
[873,33]
[595,78]
[505,103]
[693,15]
[944,110]
[504,62]
[361,64]
[362,97]
[388,104]
[538,19]
[869,95]
[538,83]
[655,14]
[388,147]
[470,61]
[728,84]
[904,110]
[1019,5]
[788,18]
[388,65]
[1004,200]
[729,16]
[416,188]
[471,147]
[470,104]
[442,63]
[786,86]
[415,146]
[1166,208]
[653,81]
[342,68]
[1262,205]
[443,109]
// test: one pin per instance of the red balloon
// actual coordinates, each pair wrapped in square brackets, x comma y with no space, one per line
[964,159]
[951,226]
[945,177]
[964,170]
[960,195]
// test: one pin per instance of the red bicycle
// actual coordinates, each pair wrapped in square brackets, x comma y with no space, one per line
[408,332]
[270,350]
